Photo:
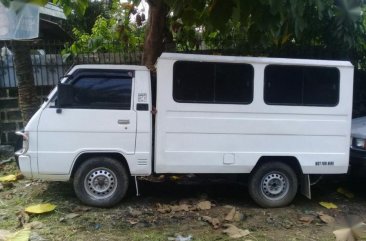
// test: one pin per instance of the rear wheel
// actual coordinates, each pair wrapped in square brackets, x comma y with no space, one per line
[101,181]
[273,184]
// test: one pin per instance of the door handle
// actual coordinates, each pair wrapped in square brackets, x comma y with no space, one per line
[123,122]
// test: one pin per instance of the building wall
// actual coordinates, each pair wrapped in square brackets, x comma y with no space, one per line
[10,115]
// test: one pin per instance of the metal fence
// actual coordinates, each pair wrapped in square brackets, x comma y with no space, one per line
[49,65]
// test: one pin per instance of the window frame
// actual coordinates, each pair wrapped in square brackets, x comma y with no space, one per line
[113,73]
[220,102]
[301,105]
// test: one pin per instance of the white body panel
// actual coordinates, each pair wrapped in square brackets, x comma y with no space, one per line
[230,138]
[192,137]
[58,139]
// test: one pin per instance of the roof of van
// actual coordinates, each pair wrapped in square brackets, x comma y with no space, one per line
[260,60]
[110,66]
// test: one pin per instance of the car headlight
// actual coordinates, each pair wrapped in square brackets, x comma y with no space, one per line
[359,143]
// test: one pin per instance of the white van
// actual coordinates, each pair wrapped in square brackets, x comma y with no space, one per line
[278,120]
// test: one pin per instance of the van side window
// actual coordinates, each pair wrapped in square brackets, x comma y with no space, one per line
[102,92]
[301,85]
[207,82]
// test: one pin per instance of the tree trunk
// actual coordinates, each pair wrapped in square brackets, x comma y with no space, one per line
[156,28]
[27,93]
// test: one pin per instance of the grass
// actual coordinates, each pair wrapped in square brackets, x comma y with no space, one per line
[114,223]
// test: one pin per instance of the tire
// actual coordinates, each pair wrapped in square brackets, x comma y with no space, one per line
[273,184]
[101,182]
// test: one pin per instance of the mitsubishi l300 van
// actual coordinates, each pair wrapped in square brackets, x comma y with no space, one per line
[277,120]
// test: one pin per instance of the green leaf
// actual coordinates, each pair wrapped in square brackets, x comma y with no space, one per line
[6,3]
[39,2]
[219,12]
[65,57]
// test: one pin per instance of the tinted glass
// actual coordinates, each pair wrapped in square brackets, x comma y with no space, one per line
[193,82]
[301,85]
[102,92]
[197,82]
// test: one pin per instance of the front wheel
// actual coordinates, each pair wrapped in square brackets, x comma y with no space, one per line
[273,184]
[101,182]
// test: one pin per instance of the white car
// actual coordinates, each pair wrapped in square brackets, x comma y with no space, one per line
[358,142]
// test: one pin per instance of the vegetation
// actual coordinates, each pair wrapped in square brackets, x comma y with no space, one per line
[113,32]
[263,27]
[332,29]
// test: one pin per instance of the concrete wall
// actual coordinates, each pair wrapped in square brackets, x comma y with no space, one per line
[10,116]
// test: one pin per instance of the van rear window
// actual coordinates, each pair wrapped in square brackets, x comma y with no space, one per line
[208,82]
[301,85]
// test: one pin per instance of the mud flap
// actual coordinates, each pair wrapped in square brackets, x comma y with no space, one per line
[137,187]
[305,186]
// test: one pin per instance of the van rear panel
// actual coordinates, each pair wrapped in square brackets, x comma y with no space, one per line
[224,133]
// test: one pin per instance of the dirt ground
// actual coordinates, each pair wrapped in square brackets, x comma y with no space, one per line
[149,217]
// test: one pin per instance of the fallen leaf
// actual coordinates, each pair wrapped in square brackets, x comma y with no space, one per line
[163,208]
[238,216]
[345,192]
[230,216]
[36,237]
[175,178]
[132,222]
[22,235]
[72,215]
[23,218]
[40,208]
[179,208]
[215,222]
[8,196]
[235,232]
[328,205]
[8,178]
[134,212]
[359,230]
[180,238]
[306,219]
[326,218]
[69,216]
[204,205]
[354,233]
[344,234]
[34,225]
[4,234]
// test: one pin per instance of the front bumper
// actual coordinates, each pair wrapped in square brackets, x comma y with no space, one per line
[25,165]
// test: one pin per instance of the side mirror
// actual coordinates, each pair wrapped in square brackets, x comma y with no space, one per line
[65,95]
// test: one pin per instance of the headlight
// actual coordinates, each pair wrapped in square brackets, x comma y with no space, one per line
[359,143]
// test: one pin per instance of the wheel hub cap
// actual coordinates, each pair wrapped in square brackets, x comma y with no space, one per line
[100,183]
[274,185]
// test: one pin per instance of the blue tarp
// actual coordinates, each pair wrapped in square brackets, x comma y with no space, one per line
[19,21]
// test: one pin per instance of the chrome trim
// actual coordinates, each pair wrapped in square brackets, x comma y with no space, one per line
[123,122]
[357,148]
[20,133]
[19,152]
